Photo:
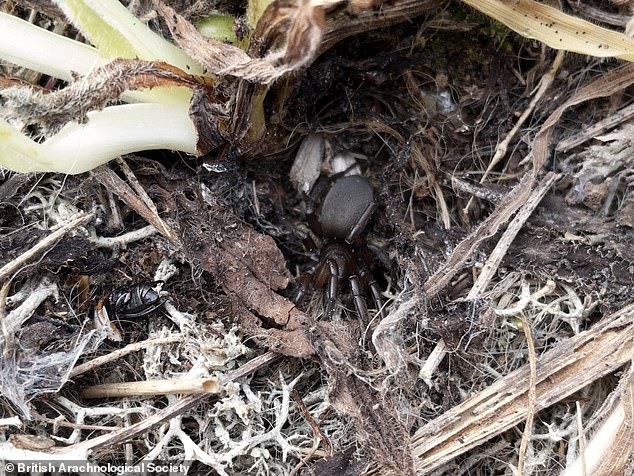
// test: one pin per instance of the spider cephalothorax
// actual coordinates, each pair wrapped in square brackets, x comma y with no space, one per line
[341,221]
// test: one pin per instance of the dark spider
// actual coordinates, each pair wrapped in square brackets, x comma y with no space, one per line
[341,221]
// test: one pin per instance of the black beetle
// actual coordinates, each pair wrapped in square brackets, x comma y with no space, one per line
[135,300]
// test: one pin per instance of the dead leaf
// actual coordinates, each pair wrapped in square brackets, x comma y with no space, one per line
[302,40]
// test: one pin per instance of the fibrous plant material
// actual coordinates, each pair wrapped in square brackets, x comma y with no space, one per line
[486,229]
[237,272]
[567,368]
[501,149]
[49,111]
[610,83]
[610,447]
[591,132]
[306,23]
[496,256]
[136,201]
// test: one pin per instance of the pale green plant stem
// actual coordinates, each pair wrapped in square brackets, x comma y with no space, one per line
[117,33]
[29,46]
[109,133]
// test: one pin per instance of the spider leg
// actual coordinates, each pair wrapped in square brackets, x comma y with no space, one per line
[303,286]
[332,291]
[359,302]
[361,224]
[376,297]
[374,289]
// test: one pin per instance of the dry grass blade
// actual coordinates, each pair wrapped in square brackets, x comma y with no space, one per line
[340,24]
[573,364]
[620,116]
[532,396]
[502,147]
[610,448]
[608,84]
[557,29]
[582,440]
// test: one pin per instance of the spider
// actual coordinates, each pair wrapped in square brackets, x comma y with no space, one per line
[341,221]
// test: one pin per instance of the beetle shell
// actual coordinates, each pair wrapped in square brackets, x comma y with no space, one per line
[134,301]
[346,208]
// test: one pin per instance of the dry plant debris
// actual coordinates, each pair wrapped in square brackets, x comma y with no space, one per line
[503,179]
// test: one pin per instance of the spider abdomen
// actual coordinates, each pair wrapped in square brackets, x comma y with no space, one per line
[347,208]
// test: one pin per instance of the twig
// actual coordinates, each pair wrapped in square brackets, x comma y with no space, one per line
[606,85]
[490,226]
[595,129]
[117,354]
[121,240]
[320,438]
[313,424]
[532,396]
[153,387]
[432,362]
[136,186]
[582,440]
[58,422]
[44,244]
[306,458]
[492,264]
[4,330]
[482,191]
